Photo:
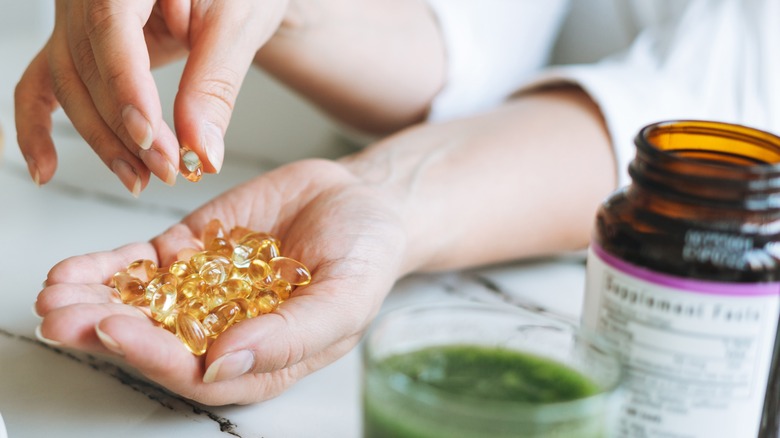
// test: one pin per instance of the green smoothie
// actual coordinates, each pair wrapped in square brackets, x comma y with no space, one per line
[458,391]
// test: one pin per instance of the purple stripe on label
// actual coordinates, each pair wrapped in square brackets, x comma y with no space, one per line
[701,286]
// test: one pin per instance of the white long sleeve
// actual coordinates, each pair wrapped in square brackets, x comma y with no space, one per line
[492,47]
[718,61]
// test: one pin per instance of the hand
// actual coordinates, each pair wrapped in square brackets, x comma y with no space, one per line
[346,232]
[97,64]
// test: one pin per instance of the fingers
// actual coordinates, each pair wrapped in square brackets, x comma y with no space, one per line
[34,101]
[77,103]
[224,39]
[304,330]
[108,51]
[98,268]
[74,325]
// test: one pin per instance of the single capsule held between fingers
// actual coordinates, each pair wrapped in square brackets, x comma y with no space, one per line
[190,166]
[192,333]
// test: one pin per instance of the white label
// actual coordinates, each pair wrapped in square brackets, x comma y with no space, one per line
[697,362]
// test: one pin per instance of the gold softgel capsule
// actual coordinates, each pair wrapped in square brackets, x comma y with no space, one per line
[237,275]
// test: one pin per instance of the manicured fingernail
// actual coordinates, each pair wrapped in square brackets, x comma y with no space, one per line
[108,341]
[138,127]
[159,166]
[46,341]
[230,366]
[32,167]
[127,175]
[214,145]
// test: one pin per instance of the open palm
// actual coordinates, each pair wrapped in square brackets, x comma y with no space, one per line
[342,229]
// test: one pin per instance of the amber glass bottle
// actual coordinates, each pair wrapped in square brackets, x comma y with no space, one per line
[684,278]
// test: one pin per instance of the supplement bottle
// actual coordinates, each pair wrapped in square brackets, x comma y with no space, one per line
[683,278]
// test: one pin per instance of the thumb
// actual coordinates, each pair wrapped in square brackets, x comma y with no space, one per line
[224,37]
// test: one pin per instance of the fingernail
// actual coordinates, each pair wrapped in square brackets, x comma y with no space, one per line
[127,175]
[138,127]
[46,341]
[230,366]
[159,166]
[32,167]
[108,341]
[214,145]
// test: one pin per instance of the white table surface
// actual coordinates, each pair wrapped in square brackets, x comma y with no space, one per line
[47,392]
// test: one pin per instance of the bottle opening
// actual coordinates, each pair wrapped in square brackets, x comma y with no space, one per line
[715,143]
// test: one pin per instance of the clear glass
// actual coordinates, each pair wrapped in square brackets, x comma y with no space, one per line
[395,405]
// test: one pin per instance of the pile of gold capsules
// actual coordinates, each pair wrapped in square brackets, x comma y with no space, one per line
[237,275]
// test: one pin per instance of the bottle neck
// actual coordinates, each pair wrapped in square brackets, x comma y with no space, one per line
[709,164]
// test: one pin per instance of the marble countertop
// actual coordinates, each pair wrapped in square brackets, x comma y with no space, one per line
[46,391]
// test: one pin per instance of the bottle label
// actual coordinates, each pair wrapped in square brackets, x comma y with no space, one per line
[697,353]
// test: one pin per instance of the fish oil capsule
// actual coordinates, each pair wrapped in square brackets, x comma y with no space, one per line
[266,301]
[282,288]
[214,230]
[221,317]
[290,270]
[169,322]
[247,308]
[190,165]
[268,250]
[213,272]
[192,286]
[242,255]
[180,269]
[260,274]
[192,333]
[131,290]
[215,296]
[196,307]
[220,246]
[235,288]
[237,233]
[163,301]
[158,281]
[199,258]
[142,269]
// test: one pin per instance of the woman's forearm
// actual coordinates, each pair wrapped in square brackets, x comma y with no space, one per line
[523,180]
[374,65]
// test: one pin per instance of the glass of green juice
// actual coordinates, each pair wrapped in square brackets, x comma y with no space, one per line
[485,370]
